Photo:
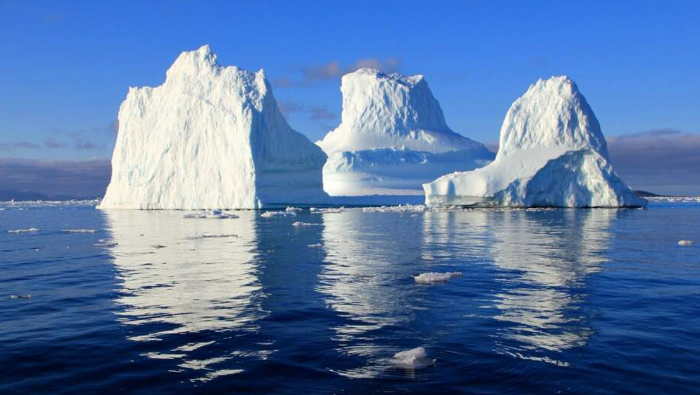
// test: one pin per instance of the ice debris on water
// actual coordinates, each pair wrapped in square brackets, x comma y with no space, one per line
[402,208]
[292,209]
[685,243]
[415,358]
[270,214]
[28,230]
[213,214]
[315,210]
[20,296]
[79,230]
[317,245]
[433,277]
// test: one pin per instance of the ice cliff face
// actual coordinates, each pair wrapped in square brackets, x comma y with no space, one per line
[552,153]
[392,138]
[209,137]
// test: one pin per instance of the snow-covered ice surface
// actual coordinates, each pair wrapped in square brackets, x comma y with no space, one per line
[552,153]
[392,138]
[209,137]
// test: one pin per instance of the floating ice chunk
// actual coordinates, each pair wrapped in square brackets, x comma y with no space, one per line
[292,209]
[432,277]
[412,359]
[317,245]
[298,223]
[327,210]
[270,214]
[79,230]
[685,243]
[28,230]
[20,296]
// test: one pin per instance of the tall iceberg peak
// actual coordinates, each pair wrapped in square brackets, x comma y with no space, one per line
[209,137]
[552,153]
[392,138]
[391,111]
[552,113]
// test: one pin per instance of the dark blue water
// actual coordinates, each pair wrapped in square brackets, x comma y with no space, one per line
[558,301]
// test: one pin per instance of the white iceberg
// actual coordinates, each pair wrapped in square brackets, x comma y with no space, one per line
[685,243]
[552,154]
[392,138]
[209,137]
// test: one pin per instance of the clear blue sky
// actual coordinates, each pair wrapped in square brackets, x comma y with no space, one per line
[66,65]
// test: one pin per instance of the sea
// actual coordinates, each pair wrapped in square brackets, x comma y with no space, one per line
[321,301]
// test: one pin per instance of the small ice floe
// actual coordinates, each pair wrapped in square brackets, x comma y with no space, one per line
[292,209]
[412,359]
[299,223]
[20,296]
[685,243]
[28,230]
[271,214]
[434,278]
[79,230]
[317,245]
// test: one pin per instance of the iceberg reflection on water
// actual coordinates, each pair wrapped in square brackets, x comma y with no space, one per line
[528,266]
[178,278]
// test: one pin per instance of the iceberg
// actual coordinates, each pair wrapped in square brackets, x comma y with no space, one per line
[210,137]
[552,154]
[392,138]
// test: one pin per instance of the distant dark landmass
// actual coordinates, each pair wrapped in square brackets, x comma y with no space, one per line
[12,194]
[645,194]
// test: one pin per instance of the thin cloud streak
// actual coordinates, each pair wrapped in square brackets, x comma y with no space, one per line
[315,113]
[333,70]
[18,145]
